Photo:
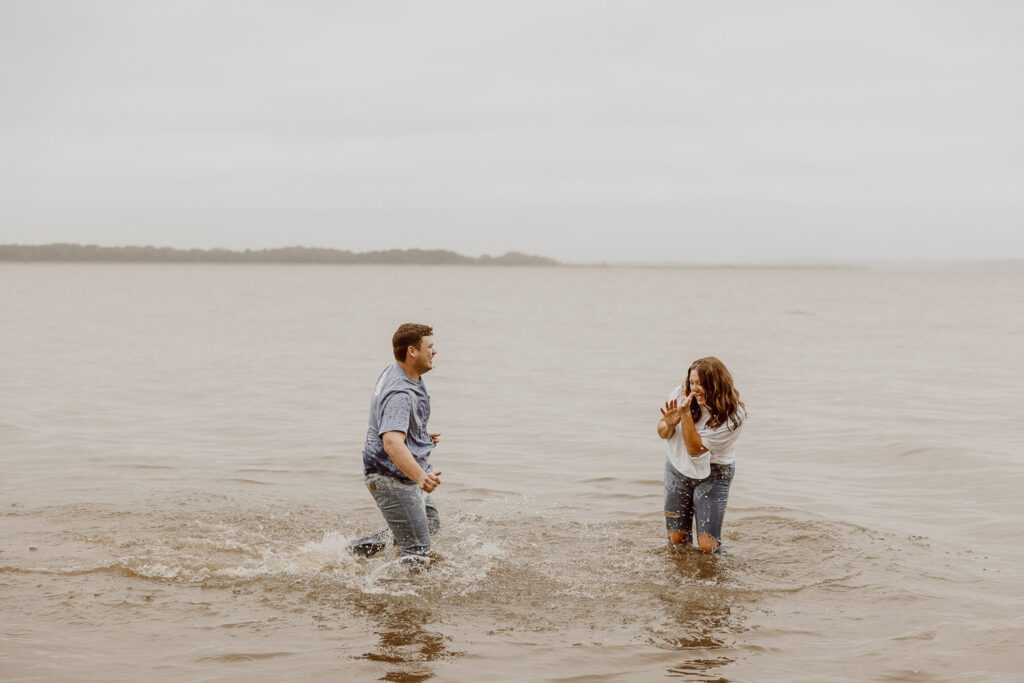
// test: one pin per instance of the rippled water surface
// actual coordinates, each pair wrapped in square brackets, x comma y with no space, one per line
[180,452]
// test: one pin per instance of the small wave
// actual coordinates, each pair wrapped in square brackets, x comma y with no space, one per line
[312,560]
[234,657]
[645,484]
[329,556]
[696,641]
[213,561]
[700,669]
[59,571]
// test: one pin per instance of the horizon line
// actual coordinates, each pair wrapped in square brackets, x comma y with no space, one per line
[10,253]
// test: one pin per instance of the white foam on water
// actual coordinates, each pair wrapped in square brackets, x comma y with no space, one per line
[328,557]
[463,561]
[468,563]
[391,577]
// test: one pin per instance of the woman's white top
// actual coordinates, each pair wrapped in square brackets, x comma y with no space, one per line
[719,442]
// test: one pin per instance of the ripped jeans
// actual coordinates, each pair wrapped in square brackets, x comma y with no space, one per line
[410,515]
[700,501]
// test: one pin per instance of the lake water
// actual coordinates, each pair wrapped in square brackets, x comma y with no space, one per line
[180,470]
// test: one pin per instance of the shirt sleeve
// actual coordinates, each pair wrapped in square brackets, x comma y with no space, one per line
[722,438]
[395,413]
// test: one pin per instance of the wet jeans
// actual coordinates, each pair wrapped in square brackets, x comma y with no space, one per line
[700,501]
[410,515]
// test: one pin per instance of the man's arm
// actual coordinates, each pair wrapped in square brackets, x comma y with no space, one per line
[394,446]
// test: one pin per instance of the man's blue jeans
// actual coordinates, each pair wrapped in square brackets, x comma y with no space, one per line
[410,515]
[697,500]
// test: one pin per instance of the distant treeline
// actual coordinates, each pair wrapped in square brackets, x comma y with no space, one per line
[92,252]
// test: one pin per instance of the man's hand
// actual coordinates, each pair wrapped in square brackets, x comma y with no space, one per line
[435,437]
[672,413]
[394,446]
[429,481]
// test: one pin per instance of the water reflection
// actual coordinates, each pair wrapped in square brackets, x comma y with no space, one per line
[700,670]
[404,642]
[701,612]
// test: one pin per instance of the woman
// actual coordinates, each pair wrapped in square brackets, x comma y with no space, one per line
[701,422]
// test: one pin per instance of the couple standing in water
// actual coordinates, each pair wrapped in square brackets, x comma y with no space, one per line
[700,422]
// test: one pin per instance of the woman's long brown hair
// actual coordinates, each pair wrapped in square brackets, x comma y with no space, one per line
[721,397]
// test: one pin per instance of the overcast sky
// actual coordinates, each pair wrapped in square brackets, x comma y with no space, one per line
[581,130]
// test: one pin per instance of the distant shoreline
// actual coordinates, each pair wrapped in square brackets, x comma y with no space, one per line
[91,253]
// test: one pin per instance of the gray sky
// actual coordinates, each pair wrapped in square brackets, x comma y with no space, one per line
[582,130]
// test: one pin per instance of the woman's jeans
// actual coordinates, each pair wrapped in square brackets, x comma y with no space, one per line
[697,500]
[409,513]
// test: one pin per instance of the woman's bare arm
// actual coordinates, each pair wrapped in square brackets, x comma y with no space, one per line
[670,419]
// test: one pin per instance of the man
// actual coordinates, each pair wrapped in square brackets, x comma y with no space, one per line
[397,451]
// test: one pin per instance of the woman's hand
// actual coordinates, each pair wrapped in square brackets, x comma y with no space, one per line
[671,413]
[685,404]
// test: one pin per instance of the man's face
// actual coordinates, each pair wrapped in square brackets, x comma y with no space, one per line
[422,356]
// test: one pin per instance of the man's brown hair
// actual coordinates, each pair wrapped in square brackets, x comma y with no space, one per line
[408,334]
